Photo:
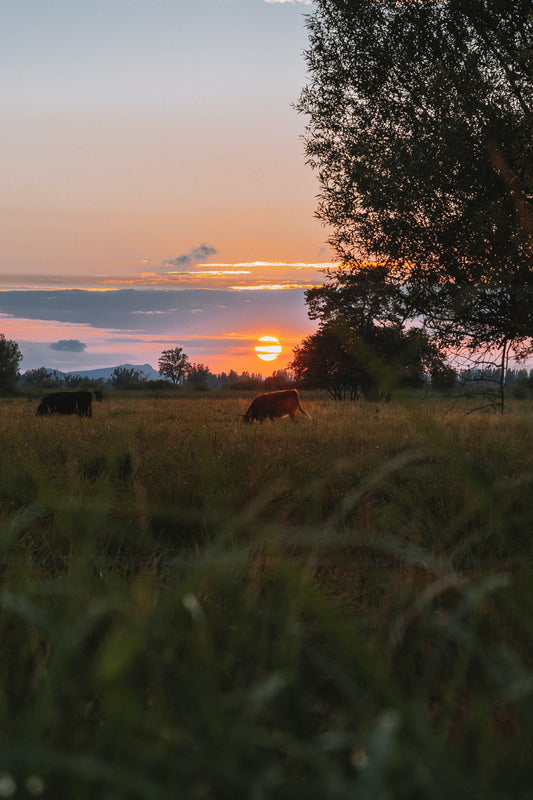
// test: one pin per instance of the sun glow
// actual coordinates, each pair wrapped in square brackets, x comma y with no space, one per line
[268,348]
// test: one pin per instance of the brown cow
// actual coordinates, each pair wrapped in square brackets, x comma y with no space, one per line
[284,403]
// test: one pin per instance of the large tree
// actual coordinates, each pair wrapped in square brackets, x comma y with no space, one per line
[363,345]
[421,131]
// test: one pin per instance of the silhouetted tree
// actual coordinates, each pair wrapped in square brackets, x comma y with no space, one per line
[443,377]
[323,361]
[421,133]
[42,376]
[122,377]
[173,364]
[363,345]
[10,358]
[245,381]
[197,376]
[370,362]
[280,379]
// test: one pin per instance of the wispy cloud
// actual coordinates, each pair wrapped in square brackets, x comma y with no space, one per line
[270,287]
[69,346]
[284,264]
[188,260]
[258,274]
[212,275]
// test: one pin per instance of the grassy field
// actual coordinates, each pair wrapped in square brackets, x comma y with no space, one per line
[192,607]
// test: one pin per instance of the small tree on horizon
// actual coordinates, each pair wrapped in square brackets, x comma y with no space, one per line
[197,376]
[41,376]
[126,376]
[173,364]
[10,358]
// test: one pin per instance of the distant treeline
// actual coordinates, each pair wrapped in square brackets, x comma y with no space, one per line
[198,378]
[521,380]
[493,375]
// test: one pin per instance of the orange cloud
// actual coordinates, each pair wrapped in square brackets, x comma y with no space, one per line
[261,275]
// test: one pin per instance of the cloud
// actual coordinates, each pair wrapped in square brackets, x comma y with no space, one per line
[148,311]
[69,346]
[305,2]
[187,260]
[215,326]
[212,275]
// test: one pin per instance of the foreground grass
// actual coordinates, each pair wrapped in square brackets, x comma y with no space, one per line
[193,607]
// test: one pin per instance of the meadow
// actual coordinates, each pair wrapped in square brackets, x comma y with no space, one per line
[193,607]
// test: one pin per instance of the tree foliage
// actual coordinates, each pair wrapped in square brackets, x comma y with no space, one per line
[421,132]
[173,364]
[122,377]
[10,358]
[42,376]
[349,365]
[197,376]
[362,346]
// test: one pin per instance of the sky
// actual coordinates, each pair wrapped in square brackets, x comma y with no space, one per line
[155,190]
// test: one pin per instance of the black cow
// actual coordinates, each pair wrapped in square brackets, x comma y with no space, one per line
[284,403]
[79,403]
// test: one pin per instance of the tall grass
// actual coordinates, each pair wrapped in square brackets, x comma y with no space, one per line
[193,607]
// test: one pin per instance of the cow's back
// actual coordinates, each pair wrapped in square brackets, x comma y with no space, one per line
[273,405]
[79,403]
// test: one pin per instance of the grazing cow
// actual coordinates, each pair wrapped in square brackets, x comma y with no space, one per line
[79,403]
[284,403]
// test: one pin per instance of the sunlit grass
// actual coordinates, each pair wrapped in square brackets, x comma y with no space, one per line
[195,607]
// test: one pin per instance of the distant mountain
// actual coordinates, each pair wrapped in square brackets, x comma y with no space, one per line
[147,371]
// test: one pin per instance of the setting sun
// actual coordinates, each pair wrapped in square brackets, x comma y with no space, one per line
[268,348]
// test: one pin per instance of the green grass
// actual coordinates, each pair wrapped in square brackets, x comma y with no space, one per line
[193,607]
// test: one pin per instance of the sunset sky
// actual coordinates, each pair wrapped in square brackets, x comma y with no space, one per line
[155,191]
